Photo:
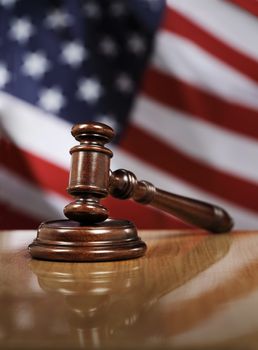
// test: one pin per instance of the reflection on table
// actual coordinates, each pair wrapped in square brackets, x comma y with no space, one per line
[190,290]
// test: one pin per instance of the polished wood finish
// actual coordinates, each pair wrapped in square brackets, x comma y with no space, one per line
[191,290]
[67,240]
[124,185]
[91,180]
[89,175]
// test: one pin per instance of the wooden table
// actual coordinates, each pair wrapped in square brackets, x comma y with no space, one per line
[191,291]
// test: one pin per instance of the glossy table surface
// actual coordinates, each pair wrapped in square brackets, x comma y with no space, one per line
[192,290]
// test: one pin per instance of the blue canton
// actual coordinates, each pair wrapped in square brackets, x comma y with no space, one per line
[78,60]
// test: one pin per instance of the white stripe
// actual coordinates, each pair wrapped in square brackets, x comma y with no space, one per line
[48,137]
[21,195]
[181,57]
[35,131]
[15,239]
[244,219]
[121,159]
[229,23]
[210,144]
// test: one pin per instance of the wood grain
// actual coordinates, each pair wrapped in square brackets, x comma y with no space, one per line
[191,290]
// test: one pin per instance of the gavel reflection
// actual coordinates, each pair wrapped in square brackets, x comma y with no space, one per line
[89,235]
[91,179]
[117,303]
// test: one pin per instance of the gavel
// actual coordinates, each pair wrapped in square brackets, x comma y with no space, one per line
[89,234]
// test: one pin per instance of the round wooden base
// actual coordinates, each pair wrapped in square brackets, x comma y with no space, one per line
[66,240]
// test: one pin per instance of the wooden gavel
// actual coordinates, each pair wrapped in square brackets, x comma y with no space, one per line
[91,179]
[89,235]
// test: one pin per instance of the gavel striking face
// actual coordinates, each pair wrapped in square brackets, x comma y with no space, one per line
[92,180]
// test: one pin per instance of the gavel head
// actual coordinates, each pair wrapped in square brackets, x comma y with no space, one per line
[89,175]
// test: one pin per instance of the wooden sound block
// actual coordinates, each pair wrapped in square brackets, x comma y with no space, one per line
[66,240]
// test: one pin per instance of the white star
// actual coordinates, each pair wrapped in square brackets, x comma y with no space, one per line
[124,83]
[89,90]
[7,3]
[92,10]
[117,9]
[51,99]
[58,19]
[136,44]
[73,54]
[108,47]
[35,65]
[4,75]
[21,30]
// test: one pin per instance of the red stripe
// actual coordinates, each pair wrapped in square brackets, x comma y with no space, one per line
[46,175]
[183,96]
[33,169]
[174,162]
[144,217]
[181,25]
[249,5]
[13,219]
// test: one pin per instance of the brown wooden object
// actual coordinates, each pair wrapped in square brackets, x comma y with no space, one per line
[89,235]
[124,185]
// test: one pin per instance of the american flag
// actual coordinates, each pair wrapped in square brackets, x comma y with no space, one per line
[177,81]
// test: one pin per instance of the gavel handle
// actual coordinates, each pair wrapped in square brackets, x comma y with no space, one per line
[124,185]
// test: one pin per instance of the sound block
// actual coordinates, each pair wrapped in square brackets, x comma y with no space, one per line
[66,240]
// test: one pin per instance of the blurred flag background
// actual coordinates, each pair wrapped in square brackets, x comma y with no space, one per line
[178,81]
